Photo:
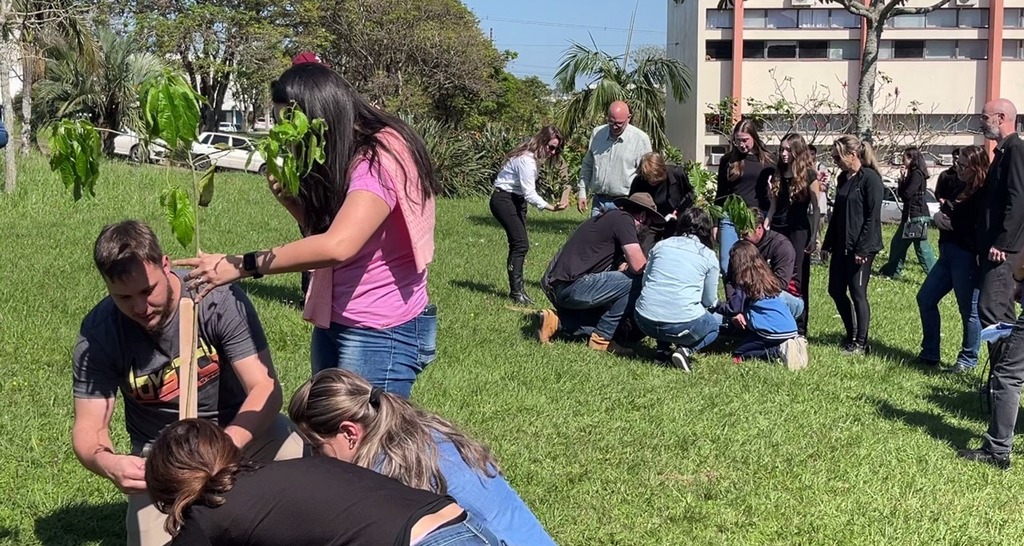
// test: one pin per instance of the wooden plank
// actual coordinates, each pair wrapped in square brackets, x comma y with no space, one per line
[188,372]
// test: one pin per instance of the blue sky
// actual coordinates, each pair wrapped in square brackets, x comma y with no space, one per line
[541,30]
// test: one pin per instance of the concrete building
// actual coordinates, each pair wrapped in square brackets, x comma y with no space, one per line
[945,65]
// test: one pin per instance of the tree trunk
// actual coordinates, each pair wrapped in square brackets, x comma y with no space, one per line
[28,59]
[6,54]
[866,88]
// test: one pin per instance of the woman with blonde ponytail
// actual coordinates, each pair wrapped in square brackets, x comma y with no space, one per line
[342,416]
[196,475]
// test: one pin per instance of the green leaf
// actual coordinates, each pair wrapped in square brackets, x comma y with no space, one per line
[294,146]
[206,187]
[180,215]
[75,147]
[171,110]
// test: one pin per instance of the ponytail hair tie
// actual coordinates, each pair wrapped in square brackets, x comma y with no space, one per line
[375,397]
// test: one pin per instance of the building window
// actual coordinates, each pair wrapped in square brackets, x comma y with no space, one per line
[781,18]
[719,19]
[813,49]
[1011,17]
[1011,49]
[844,19]
[718,50]
[940,49]
[848,50]
[908,49]
[753,49]
[753,18]
[813,18]
[973,18]
[885,49]
[941,18]
[781,50]
[913,20]
[972,49]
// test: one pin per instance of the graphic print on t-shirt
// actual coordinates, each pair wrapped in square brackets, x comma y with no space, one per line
[162,385]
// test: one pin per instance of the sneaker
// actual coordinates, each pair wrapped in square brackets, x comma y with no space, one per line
[548,325]
[1001,462]
[599,343]
[794,353]
[663,356]
[856,348]
[959,368]
[681,359]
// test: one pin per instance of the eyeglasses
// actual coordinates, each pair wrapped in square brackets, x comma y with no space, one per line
[554,149]
[986,117]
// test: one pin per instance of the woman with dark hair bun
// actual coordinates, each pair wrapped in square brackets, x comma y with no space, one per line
[913,228]
[196,475]
[680,284]
[368,216]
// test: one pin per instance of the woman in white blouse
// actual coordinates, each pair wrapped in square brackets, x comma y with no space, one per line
[514,188]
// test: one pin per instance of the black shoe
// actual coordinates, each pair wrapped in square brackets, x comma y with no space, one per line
[521,298]
[516,290]
[1001,462]
[663,357]
[856,348]
[928,362]
[681,359]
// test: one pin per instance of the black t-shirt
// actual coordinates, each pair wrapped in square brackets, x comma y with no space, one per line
[794,215]
[595,246]
[316,501]
[752,185]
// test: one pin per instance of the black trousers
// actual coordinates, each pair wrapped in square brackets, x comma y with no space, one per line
[801,271]
[846,281]
[1004,384]
[995,300]
[510,211]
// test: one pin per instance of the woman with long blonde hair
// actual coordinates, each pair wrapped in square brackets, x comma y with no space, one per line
[957,268]
[342,416]
[794,213]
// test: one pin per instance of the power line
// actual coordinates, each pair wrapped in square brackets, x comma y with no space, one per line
[564,25]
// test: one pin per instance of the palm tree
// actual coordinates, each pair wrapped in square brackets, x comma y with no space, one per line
[100,83]
[642,87]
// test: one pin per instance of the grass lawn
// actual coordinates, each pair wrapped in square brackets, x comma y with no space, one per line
[605,450]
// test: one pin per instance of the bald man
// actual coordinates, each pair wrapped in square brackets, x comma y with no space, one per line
[1000,236]
[610,164]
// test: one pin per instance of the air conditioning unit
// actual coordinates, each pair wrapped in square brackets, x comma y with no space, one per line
[964,3]
[716,159]
[801,3]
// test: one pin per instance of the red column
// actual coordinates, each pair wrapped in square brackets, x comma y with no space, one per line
[737,59]
[993,83]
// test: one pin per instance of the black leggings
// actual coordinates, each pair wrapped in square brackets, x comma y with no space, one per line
[801,271]
[845,275]
[510,211]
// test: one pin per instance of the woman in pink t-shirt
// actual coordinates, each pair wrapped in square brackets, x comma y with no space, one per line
[369,215]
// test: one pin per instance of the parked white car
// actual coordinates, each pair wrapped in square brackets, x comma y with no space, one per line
[130,145]
[262,124]
[892,207]
[227,127]
[227,151]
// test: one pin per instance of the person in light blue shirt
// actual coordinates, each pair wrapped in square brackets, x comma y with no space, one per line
[680,284]
[342,416]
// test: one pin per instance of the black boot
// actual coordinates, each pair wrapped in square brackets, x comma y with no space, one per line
[516,291]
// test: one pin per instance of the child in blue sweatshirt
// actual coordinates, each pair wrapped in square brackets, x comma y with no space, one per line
[772,331]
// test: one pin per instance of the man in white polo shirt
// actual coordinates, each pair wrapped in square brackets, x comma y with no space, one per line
[611,161]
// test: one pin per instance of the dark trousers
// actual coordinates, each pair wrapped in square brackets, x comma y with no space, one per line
[509,210]
[801,271]
[757,347]
[995,301]
[1004,390]
[601,303]
[846,281]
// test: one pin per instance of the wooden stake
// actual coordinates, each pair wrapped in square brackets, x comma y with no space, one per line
[564,201]
[188,371]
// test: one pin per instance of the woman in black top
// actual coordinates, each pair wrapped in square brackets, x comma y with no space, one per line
[195,474]
[670,188]
[911,192]
[794,213]
[957,268]
[745,171]
[854,236]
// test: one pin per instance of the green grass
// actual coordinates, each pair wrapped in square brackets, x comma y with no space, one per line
[605,450]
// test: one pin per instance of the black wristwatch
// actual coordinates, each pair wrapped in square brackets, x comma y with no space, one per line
[249,265]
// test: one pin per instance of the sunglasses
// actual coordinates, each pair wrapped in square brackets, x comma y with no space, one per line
[554,149]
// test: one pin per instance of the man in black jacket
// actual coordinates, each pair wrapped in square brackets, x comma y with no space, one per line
[999,238]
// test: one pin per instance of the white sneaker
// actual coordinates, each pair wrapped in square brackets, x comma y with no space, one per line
[681,359]
[794,353]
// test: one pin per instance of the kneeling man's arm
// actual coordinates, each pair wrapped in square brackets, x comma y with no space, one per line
[90,438]
[634,257]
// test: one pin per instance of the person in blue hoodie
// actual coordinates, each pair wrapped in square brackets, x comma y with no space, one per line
[772,330]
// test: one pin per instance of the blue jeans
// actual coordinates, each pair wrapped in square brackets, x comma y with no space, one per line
[756,347]
[795,304]
[596,303]
[602,203]
[388,358]
[694,335]
[465,533]
[956,270]
[727,236]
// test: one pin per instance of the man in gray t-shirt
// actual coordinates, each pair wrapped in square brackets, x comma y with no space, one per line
[128,343]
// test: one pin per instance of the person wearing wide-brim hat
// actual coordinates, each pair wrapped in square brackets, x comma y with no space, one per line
[592,293]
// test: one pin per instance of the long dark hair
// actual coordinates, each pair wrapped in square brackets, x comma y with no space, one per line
[801,167]
[917,162]
[750,272]
[353,125]
[538,145]
[192,462]
[975,169]
[760,151]
[696,222]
